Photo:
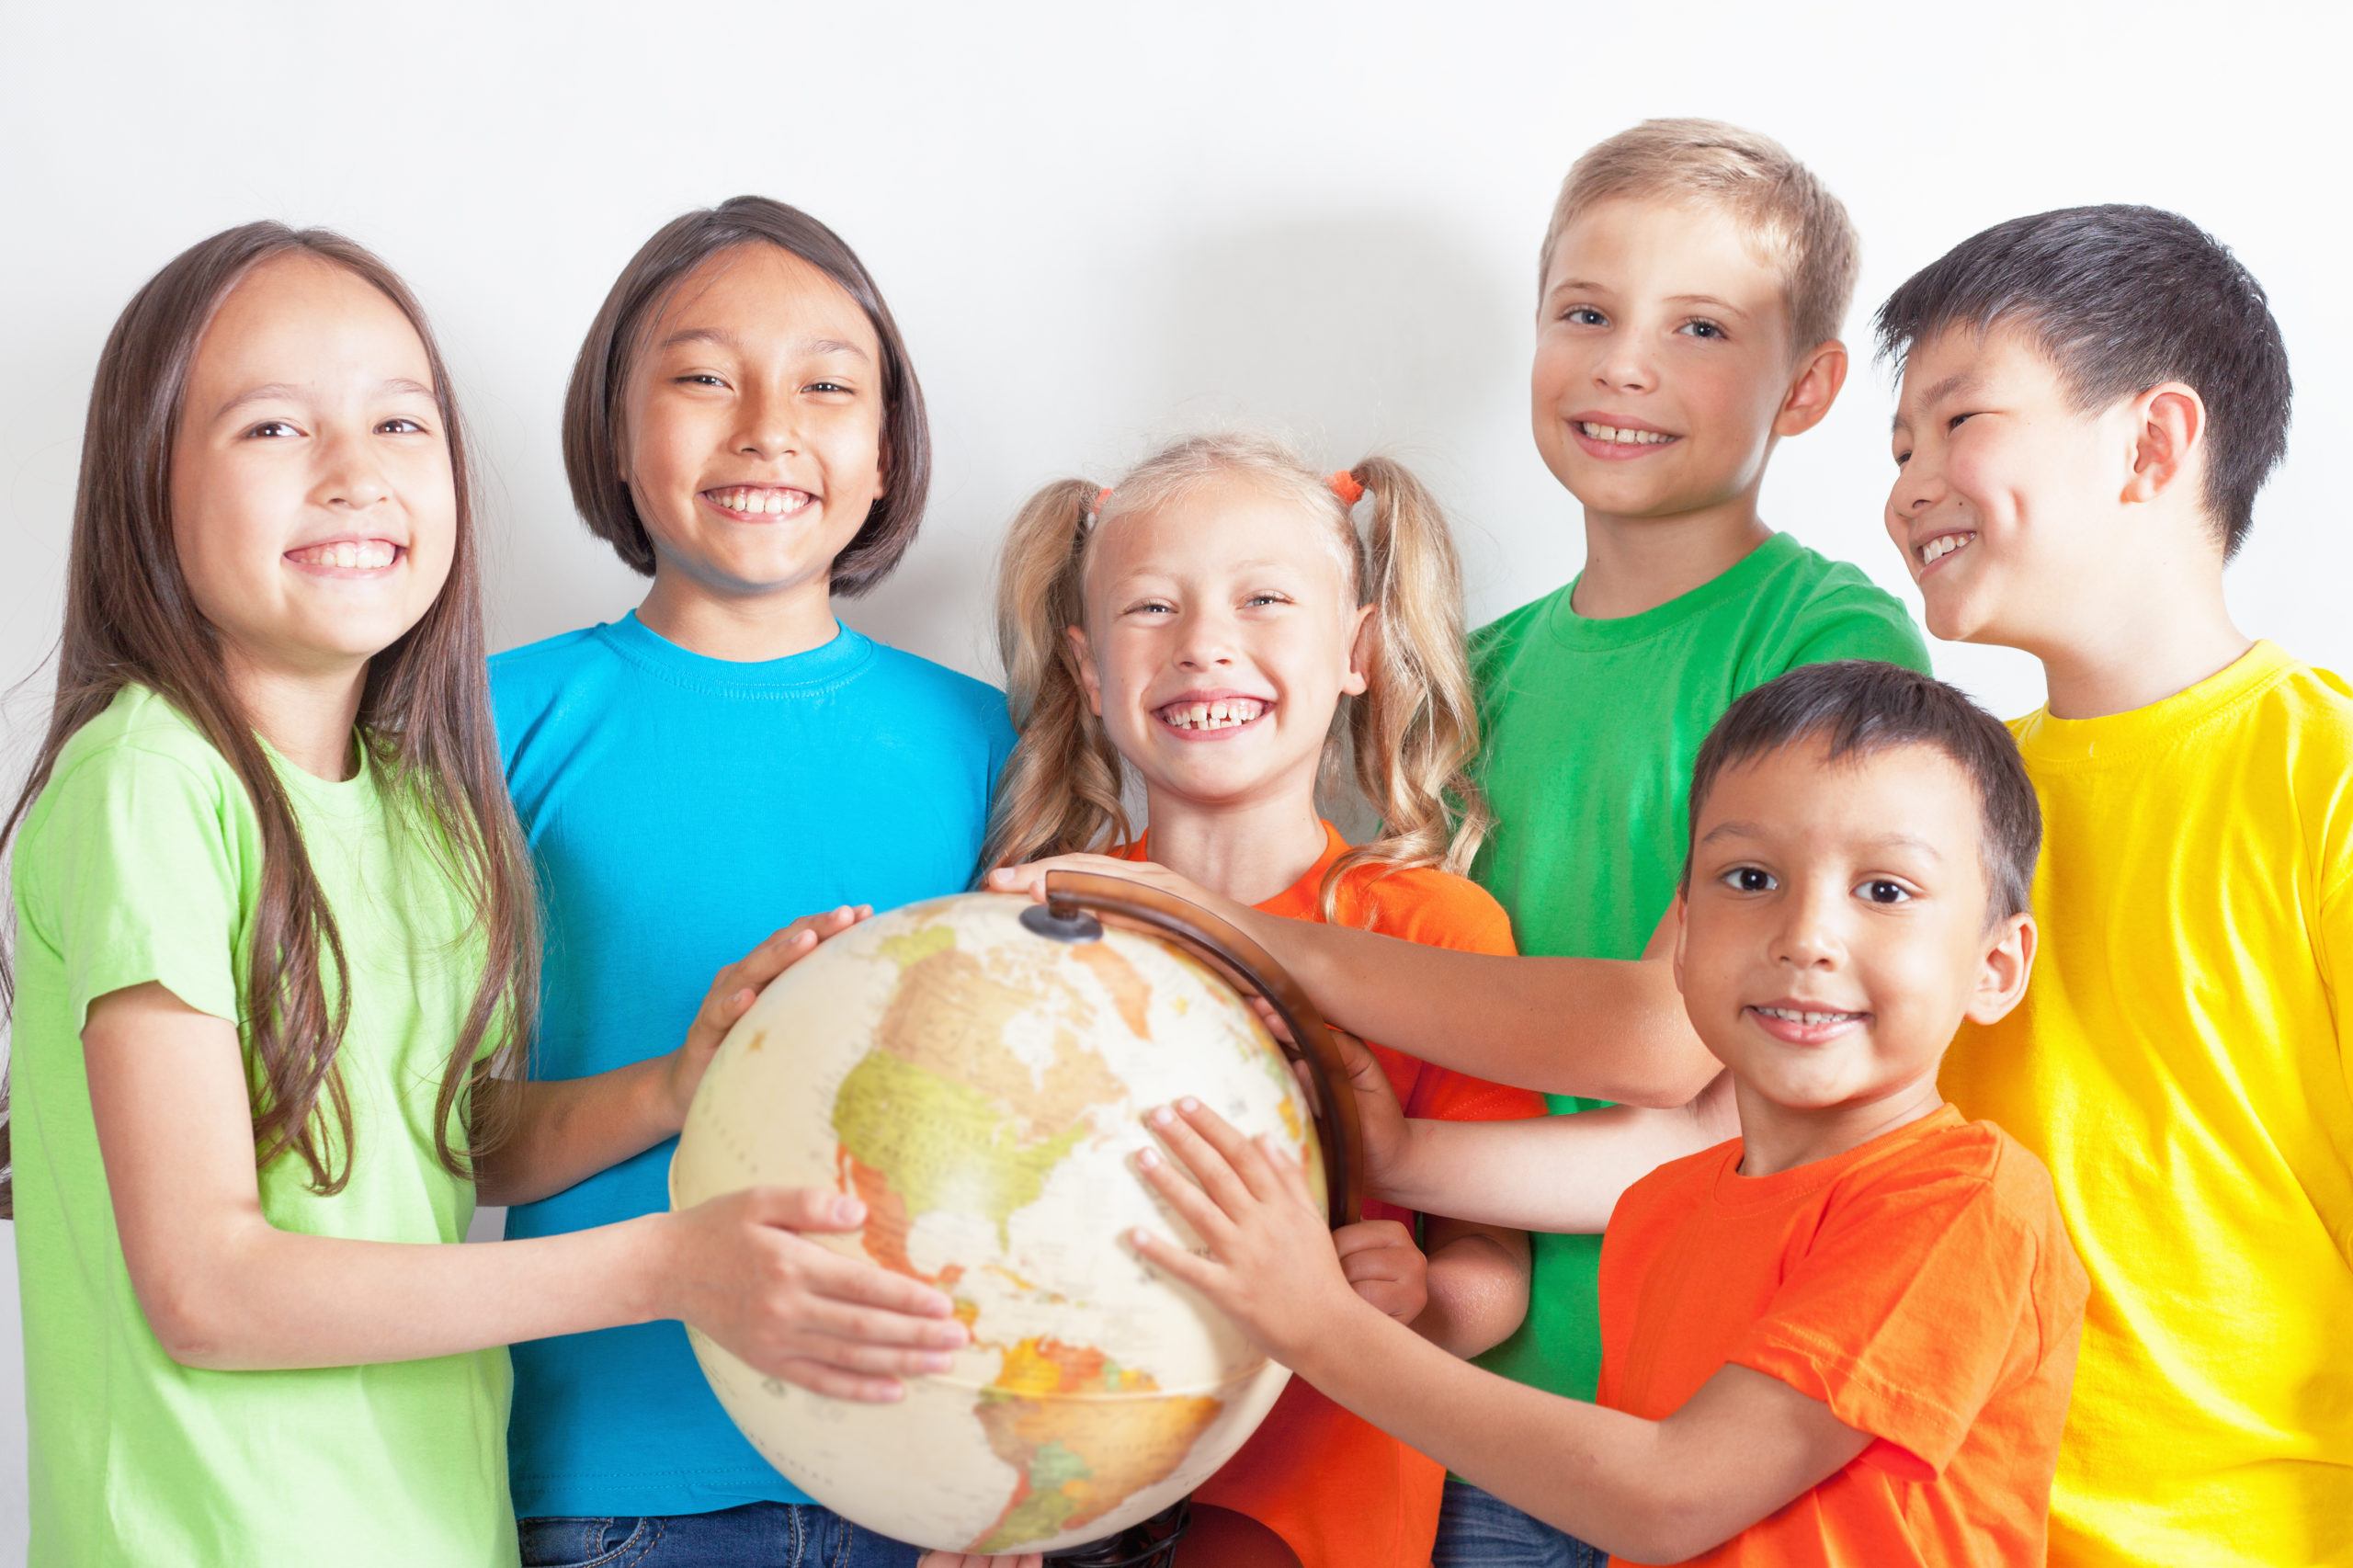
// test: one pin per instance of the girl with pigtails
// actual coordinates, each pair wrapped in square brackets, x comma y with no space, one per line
[1218,622]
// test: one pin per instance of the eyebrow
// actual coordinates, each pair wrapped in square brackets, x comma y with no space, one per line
[723,338]
[1960,380]
[1738,829]
[269,391]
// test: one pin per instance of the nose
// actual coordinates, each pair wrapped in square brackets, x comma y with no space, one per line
[1920,485]
[350,472]
[1625,365]
[1208,643]
[770,427]
[1809,937]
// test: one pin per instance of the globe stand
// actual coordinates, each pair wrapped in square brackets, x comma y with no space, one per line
[1149,1544]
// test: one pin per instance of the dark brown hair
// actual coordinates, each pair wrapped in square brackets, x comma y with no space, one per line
[423,718]
[2122,299]
[594,434]
[1858,707]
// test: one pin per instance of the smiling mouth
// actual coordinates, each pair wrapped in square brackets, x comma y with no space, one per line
[759,502]
[348,555]
[1617,437]
[1937,549]
[1224,713]
[1811,1019]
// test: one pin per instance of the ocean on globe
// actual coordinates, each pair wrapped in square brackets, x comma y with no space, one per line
[981,1088]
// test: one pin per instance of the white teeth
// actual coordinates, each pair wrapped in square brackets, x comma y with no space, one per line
[760,500]
[1937,549]
[1225,714]
[1626,437]
[369,554]
[1790,1015]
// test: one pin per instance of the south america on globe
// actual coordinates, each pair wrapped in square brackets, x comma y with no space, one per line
[981,1087]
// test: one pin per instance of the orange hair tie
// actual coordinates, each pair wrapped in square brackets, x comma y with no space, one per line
[1343,484]
[1102,495]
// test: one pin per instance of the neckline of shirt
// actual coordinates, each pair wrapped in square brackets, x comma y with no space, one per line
[2048,741]
[1741,577]
[1304,894]
[829,665]
[1733,1190]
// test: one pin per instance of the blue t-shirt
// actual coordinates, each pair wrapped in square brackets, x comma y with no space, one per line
[679,809]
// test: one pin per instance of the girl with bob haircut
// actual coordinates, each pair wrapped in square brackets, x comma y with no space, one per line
[745,428]
[1217,627]
[275,951]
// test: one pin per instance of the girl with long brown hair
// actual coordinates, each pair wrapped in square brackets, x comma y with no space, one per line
[275,964]
[1218,629]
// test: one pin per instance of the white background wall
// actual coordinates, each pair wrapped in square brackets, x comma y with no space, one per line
[1097,223]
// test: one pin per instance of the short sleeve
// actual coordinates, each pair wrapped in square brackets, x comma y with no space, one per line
[1908,1309]
[1860,623]
[130,874]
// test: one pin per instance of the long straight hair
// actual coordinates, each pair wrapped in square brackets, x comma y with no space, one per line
[1405,745]
[423,719]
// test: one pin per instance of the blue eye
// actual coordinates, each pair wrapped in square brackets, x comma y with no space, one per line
[1585,315]
[1704,329]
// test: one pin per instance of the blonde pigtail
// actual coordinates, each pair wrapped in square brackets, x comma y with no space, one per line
[1415,731]
[1061,788]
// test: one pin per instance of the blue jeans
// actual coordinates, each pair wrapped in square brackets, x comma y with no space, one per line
[757,1535]
[1476,1530]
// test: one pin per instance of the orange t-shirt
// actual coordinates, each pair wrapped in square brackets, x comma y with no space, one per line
[1922,1286]
[1342,1493]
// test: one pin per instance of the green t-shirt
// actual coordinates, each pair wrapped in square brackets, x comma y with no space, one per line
[142,861]
[1592,727]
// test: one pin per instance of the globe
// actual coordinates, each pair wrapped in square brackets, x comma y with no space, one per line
[980,1084]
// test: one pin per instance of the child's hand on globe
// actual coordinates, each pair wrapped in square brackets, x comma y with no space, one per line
[733,991]
[1384,1265]
[740,1271]
[1272,1268]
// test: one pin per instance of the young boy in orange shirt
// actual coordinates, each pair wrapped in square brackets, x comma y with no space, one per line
[1846,1337]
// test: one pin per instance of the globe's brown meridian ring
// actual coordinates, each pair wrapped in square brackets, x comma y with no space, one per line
[1249,968]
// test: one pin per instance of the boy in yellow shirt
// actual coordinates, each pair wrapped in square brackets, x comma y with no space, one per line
[2091,399]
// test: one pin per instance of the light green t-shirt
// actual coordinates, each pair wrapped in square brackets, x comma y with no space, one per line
[1591,729]
[142,861]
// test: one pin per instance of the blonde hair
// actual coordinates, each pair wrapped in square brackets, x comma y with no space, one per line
[1776,200]
[1406,744]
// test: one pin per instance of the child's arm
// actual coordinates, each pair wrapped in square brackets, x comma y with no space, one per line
[1744,1446]
[1562,1174]
[224,1289]
[567,1129]
[1602,1029]
[1478,1285]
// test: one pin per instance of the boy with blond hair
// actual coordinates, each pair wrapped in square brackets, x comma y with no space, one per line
[2091,400]
[1694,281]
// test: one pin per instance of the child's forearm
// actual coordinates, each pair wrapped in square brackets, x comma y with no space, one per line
[565,1130]
[1477,1284]
[1601,1028]
[1560,1173]
[1647,1491]
[263,1298]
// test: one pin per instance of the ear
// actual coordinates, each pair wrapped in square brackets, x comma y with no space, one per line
[1820,374]
[2169,426]
[1089,679]
[2001,972]
[1364,645]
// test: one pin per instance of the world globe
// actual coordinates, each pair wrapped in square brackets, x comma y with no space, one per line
[976,1071]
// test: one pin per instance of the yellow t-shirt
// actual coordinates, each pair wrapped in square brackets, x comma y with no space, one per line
[2180,1064]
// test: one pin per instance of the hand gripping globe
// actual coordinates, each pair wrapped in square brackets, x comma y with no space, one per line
[975,1070]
